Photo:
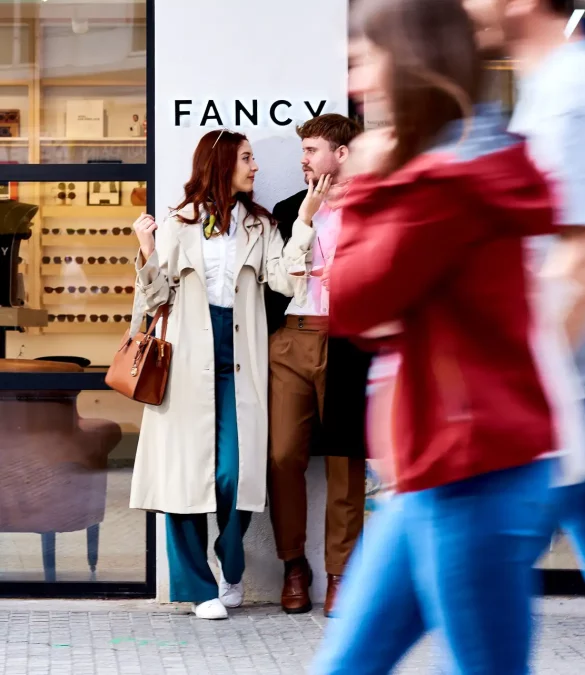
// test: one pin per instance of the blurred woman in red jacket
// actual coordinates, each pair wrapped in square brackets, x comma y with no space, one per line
[436,239]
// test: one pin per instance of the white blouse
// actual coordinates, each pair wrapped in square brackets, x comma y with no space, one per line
[219,258]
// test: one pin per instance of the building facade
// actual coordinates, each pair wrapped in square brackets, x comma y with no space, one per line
[101,106]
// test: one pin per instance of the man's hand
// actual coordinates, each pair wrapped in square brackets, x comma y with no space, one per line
[314,199]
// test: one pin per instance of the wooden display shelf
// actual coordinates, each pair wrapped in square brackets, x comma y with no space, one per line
[97,212]
[86,241]
[15,140]
[25,317]
[87,327]
[14,83]
[88,298]
[89,271]
[111,141]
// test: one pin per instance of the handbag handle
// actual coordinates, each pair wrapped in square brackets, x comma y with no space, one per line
[163,311]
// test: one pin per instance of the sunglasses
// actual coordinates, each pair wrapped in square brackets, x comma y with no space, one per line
[67,317]
[94,318]
[124,230]
[71,230]
[58,289]
[55,230]
[100,261]
[100,231]
[58,260]
[124,289]
[76,289]
[100,289]
[125,317]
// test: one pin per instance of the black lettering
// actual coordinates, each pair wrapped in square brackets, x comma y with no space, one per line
[179,113]
[319,110]
[273,107]
[252,116]
[209,115]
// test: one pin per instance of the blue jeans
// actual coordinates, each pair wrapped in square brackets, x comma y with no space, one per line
[191,577]
[458,558]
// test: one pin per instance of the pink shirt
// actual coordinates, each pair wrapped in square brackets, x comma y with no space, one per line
[327,223]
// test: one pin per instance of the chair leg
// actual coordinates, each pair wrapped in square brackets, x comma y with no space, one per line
[93,542]
[49,545]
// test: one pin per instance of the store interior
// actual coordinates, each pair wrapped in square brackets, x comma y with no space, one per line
[72,91]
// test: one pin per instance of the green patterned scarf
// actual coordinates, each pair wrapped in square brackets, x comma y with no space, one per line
[211,223]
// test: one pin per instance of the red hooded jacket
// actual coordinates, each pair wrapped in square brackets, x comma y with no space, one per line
[440,245]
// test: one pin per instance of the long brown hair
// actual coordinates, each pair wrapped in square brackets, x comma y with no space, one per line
[210,185]
[434,67]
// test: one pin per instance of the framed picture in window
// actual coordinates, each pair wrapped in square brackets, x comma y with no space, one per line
[9,123]
[67,193]
[104,193]
[8,190]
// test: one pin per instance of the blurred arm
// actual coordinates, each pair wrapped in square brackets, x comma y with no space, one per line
[570,252]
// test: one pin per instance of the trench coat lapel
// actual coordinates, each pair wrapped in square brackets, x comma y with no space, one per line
[190,239]
[248,233]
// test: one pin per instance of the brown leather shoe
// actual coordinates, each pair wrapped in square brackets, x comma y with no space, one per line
[295,593]
[333,584]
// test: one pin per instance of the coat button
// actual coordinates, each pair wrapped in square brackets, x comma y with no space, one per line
[261,279]
[237,328]
[176,280]
[238,368]
[237,289]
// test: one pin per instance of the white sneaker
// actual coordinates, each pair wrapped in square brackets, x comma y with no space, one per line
[212,610]
[231,595]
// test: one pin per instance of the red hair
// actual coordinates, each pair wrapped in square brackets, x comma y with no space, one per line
[210,185]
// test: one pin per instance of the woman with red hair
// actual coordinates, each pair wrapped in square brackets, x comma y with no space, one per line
[204,449]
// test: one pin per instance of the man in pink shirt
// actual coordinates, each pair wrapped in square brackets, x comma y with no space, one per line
[317,384]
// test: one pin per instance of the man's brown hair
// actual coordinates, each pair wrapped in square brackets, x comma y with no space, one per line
[336,129]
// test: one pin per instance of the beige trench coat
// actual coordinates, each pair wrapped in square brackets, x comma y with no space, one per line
[174,470]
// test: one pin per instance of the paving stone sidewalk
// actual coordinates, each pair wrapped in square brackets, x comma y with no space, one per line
[93,639]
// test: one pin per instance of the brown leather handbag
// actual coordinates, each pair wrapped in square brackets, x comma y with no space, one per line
[140,369]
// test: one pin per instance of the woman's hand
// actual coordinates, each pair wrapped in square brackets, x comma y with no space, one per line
[315,197]
[145,227]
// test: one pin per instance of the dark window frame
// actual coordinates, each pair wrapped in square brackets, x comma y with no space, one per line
[90,380]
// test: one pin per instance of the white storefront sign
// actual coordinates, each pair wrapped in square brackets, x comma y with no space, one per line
[260,67]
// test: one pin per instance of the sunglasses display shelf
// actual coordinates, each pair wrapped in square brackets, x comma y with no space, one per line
[87,267]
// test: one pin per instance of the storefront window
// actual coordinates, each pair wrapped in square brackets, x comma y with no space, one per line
[77,264]
[73,178]
[67,461]
[73,82]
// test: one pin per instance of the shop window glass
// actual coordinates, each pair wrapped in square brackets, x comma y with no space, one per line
[73,82]
[67,456]
[75,260]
